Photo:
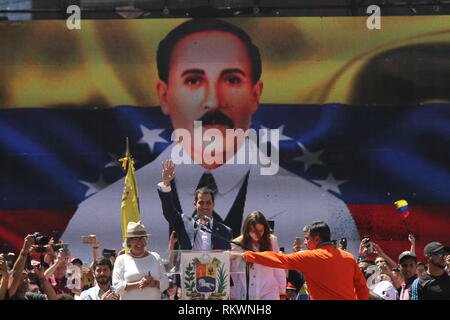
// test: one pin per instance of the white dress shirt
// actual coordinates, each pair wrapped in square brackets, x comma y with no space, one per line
[94,293]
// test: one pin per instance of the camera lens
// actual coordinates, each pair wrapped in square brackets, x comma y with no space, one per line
[39,239]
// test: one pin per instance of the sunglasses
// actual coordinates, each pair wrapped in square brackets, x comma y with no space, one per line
[138,238]
[440,254]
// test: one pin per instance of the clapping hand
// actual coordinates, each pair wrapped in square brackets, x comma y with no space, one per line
[147,281]
[168,172]
[110,295]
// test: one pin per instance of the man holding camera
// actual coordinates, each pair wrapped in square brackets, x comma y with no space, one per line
[18,286]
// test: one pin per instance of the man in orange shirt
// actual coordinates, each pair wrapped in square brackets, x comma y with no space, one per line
[330,273]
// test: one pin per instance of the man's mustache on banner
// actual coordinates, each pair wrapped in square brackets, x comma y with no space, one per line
[216,117]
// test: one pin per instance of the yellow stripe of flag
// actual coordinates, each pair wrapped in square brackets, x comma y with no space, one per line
[400,203]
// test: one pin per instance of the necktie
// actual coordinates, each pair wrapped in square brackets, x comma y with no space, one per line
[207,180]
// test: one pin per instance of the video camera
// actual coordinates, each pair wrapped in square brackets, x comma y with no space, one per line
[108,253]
[40,241]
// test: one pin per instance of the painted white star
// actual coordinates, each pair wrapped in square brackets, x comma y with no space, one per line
[309,158]
[331,184]
[151,136]
[114,163]
[280,128]
[94,187]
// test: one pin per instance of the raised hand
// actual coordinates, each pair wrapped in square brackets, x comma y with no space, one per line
[377,249]
[297,245]
[411,238]
[168,172]
[29,241]
[172,240]
[363,251]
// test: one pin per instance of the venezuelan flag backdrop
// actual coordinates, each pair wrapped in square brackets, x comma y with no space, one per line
[364,111]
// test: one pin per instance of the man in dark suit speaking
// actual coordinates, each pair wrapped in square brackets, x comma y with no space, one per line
[192,232]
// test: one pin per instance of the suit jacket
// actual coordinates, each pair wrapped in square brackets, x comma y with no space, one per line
[185,227]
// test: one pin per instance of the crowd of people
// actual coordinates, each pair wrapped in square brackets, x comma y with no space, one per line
[323,271]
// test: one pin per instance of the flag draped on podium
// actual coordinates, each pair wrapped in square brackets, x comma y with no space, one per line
[130,195]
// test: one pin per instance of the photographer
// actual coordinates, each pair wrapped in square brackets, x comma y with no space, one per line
[19,277]
[368,247]
[18,288]
[5,277]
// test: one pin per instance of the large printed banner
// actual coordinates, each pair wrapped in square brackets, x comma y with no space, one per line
[360,120]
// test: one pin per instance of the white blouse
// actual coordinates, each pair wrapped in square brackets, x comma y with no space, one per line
[265,283]
[128,269]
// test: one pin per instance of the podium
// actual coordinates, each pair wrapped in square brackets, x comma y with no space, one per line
[202,275]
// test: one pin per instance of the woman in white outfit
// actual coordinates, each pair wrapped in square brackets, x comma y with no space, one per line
[264,283]
[139,274]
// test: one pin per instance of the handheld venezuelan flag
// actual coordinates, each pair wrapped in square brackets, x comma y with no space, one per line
[130,195]
[402,208]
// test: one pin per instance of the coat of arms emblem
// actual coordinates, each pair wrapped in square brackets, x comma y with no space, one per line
[205,276]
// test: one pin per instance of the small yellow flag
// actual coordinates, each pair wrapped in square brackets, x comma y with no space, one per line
[130,196]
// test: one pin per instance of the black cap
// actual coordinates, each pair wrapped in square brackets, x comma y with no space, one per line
[406,254]
[434,247]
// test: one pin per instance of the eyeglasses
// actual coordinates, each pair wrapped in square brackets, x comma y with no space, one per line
[138,238]
[440,254]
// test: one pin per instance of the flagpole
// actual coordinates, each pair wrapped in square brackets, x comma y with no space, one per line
[406,225]
[402,209]
[127,148]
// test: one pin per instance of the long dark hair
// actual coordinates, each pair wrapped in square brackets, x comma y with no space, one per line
[250,221]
